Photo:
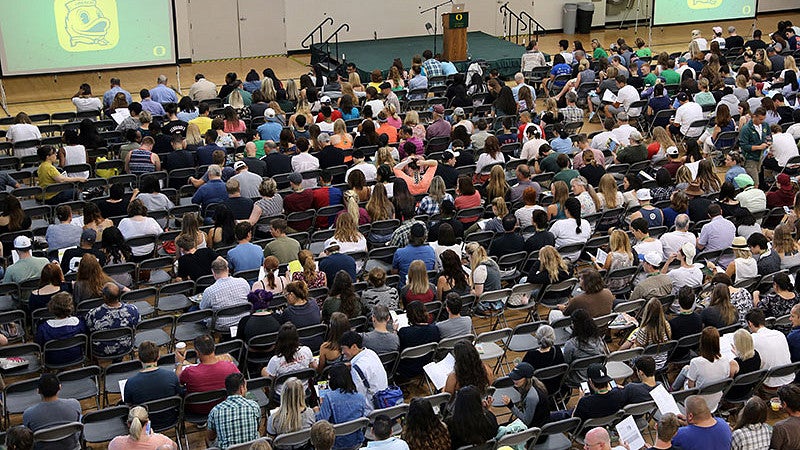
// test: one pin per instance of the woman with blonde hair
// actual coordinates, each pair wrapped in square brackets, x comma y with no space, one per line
[550,268]
[431,204]
[396,78]
[303,109]
[269,205]
[384,156]
[379,207]
[293,414]
[412,120]
[193,136]
[744,266]
[310,274]
[786,246]
[340,137]
[292,93]
[683,176]
[392,118]
[347,91]
[484,272]
[657,150]
[560,193]
[609,195]
[499,210]
[585,194]
[654,329]
[268,90]
[550,114]
[497,186]
[351,200]
[620,254]
[347,235]
[747,358]
[419,287]
[355,81]
[272,282]
[140,436]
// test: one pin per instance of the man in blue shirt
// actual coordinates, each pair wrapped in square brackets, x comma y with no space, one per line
[704,431]
[335,261]
[213,191]
[431,67]
[162,93]
[108,96]
[149,105]
[245,256]
[447,67]
[417,248]
[271,129]
[205,153]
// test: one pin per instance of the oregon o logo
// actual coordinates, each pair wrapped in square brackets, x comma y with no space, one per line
[746,9]
[159,50]
[459,16]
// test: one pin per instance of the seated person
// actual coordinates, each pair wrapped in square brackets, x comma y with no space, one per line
[603,400]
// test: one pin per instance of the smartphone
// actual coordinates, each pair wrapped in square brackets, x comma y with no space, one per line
[787,210]
[585,388]
[613,384]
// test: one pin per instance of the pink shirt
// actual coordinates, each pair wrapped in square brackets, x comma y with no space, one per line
[424,182]
[233,128]
[146,442]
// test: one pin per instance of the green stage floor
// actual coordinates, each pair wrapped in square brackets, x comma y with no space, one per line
[379,54]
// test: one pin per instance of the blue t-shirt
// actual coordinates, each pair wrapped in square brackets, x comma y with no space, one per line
[332,264]
[692,437]
[404,256]
[562,145]
[245,256]
[561,69]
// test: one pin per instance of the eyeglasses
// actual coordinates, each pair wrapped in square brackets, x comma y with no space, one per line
[588,445]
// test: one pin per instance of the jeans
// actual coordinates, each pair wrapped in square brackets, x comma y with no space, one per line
[61,197]
[680,380]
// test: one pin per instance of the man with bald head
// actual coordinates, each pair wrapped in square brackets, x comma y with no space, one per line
[112,314]
[276,163]
[254,164]
[523,173]
[703,431]
[598,439]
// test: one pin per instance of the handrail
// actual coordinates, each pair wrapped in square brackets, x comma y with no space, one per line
[531,23]
[335,35]
[318,28]
[508,25]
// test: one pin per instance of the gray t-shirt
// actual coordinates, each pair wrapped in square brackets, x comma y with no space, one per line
[50,414]
[63,235]
[458,326]
[380,342]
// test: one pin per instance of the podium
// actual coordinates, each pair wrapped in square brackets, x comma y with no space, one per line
[455,35]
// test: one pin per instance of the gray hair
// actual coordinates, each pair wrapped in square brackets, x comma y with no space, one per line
[682,222]
[381,313]
[162,79]
[519,76]
[214,170]
[270,144]
[572,97]
[731,29]
[546,336]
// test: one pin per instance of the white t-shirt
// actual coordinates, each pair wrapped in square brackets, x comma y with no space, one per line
[76,154]
[369,170]
[524,215]
[325,127]
[530,149]
[376,105]
[278,366]
[485,160]
[643,248]
[350,247]
[23,132]
[87,104]
[132,228]
[686,114]
[783,147]
[672,241]
[600,141]
[683,276]
[564,231]
[627,95]
[621,134]
[704,372]
[771,345]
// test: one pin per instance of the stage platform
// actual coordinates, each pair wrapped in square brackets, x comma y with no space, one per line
[379,54]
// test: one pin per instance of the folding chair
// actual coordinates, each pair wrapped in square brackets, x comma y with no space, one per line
[491,297]
[105,424]
[606,421]
[225,317]
[111,344]
[618,363]
[395,413]
[191,325]
[174,297]
[166,414]
[522,338]
[114,373]
[32,354]
[81,384]
[203,400]
[559,434]
[292,440]
[422,354]
[20,396]
[143,299]
[522,438]
[493,345]
[59,433]
[157,330]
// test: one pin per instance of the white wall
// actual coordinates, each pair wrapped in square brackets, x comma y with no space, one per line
[182,26]
[776,5]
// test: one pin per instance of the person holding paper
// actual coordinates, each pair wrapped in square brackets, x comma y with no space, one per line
[533,408]
[468,370]
[603,400]
[599,438]
[639,392]
[368,372]
[703,431]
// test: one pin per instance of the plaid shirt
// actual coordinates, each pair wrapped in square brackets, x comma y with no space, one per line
[433,68]
[235,421]
[429,206]
[228,291]
[572,114]
[401,234]
[754,436]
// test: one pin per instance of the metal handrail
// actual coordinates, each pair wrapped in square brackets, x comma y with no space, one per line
[335,36]
[531,28]
[517,25]
[318,28]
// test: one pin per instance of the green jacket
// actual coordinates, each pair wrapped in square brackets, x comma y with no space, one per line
[748,137]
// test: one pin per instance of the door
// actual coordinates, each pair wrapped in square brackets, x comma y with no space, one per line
[262,28]
[214,29]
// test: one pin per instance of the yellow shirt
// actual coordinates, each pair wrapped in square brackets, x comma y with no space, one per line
[47,174]
[202,122]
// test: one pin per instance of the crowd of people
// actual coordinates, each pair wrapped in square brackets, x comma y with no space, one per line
[706,254]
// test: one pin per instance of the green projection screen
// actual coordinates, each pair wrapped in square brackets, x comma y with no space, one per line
[51,36]
[667,12]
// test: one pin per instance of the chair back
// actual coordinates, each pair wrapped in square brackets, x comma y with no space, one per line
[58,433]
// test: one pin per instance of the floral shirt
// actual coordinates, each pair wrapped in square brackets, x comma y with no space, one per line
[742,300]
[106,318]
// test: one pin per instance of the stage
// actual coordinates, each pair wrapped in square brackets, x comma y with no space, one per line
[379,54]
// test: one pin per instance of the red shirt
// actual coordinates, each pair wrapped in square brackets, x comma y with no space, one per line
[206,377]
[466,202]
[335,114]
[424,298]
[299,201]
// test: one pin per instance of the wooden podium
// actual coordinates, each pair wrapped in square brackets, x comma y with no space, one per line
[455,35]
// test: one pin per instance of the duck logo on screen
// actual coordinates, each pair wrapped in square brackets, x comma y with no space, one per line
[87,25]
[704,4]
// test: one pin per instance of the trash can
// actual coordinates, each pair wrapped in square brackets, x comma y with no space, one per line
[584,17]
[570,12]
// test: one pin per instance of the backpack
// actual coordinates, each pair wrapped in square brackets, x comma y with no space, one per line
[385,398]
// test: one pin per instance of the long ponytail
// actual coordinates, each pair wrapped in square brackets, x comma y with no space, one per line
[573,207]
[137,418]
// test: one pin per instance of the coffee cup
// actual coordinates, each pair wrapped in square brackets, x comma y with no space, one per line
[775,403]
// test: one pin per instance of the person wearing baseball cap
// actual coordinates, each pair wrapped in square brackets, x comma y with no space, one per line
[654,216]
[751,197]
[71,258]
[301,199]
[603,399]
[532,408]
[248,181]
[655,284]
[688,274]
[439,127]
[27,266]
[389,97]
[785,194]
[271,129]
